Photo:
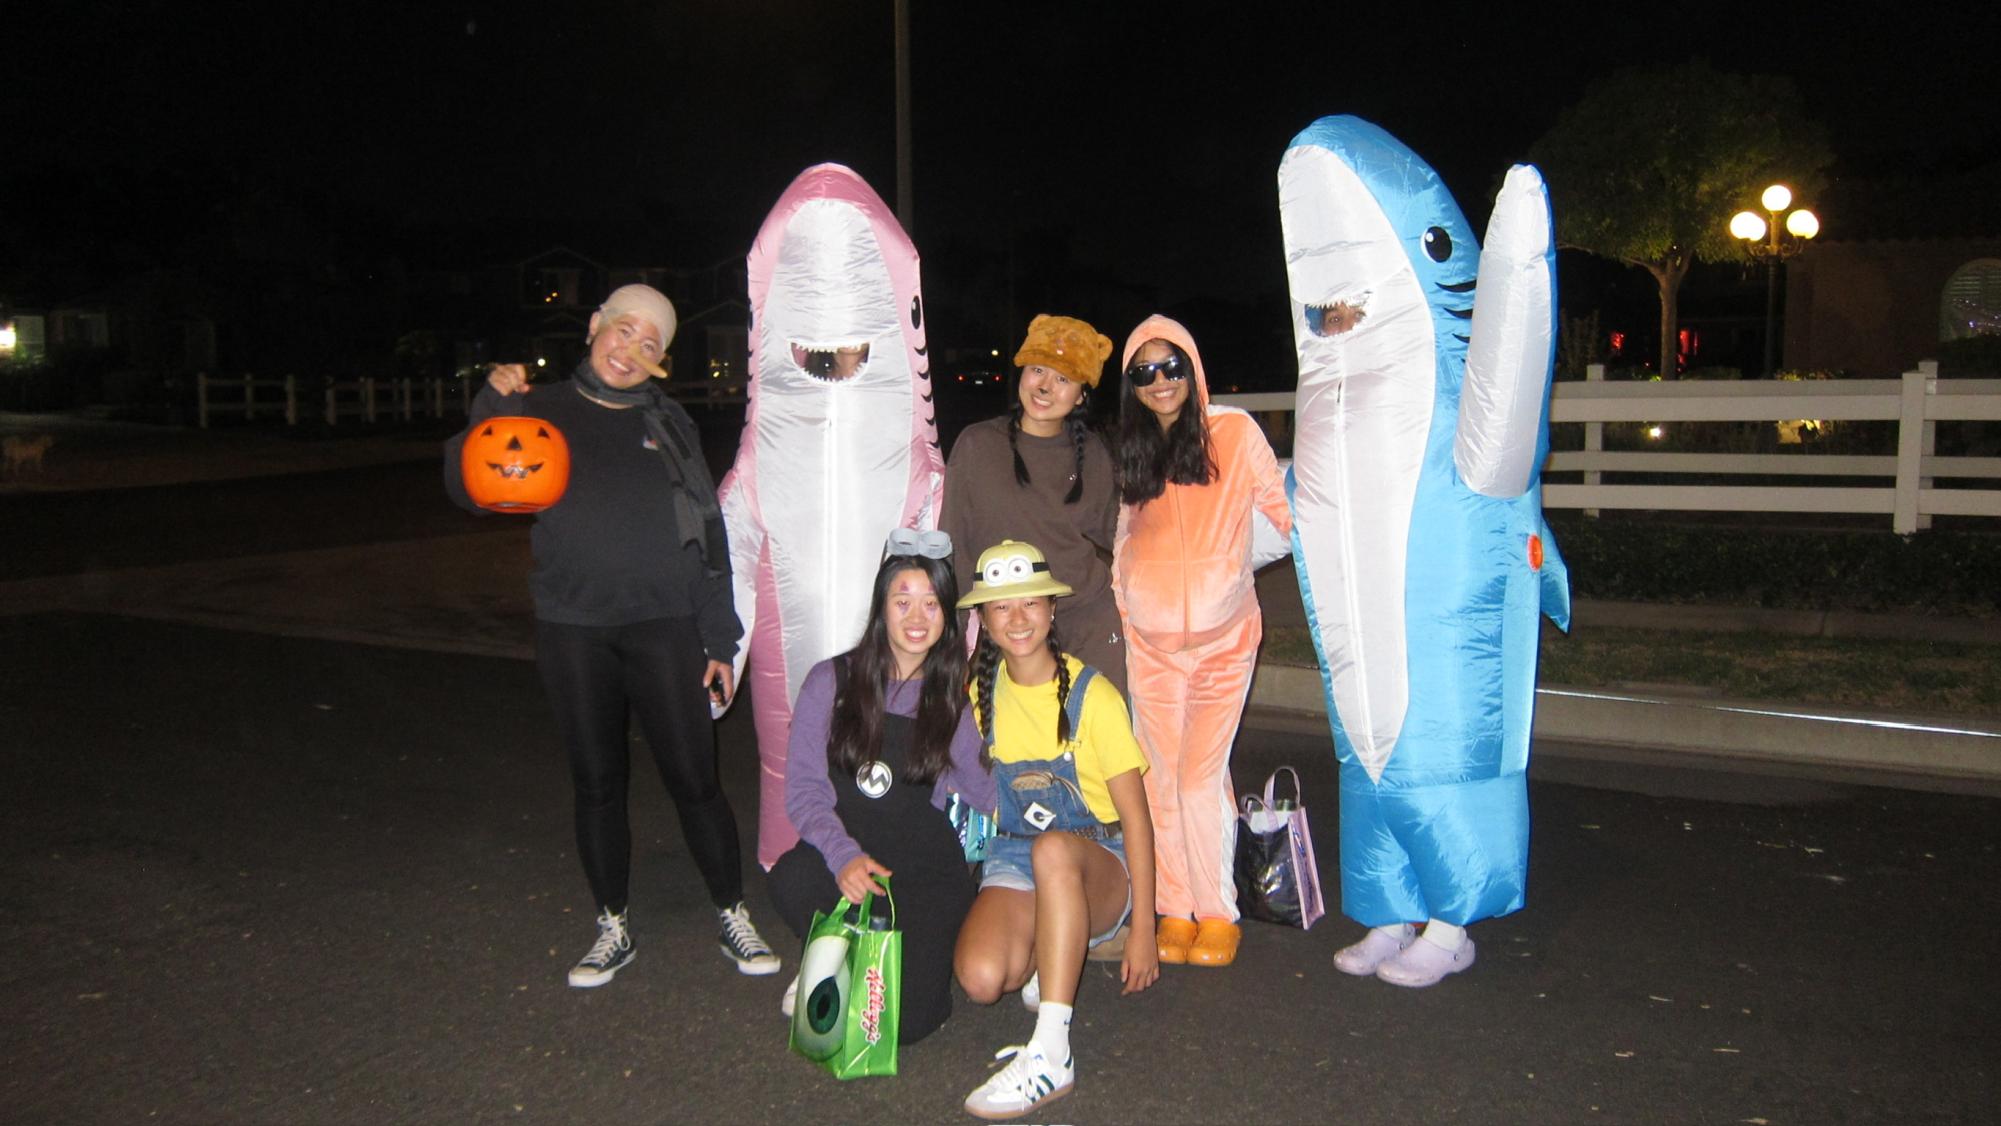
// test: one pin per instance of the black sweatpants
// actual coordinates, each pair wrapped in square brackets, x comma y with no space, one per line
[598,678]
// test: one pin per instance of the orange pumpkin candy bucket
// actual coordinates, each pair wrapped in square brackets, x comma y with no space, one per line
[515,464]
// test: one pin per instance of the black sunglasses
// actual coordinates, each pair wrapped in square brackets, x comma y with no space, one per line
[1143,375]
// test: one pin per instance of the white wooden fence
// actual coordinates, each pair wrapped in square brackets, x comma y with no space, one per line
[367,398]
[1917,403]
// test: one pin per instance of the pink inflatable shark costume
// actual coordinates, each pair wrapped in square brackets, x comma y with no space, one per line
[839,448]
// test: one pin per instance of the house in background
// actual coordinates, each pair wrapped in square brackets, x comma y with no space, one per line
[540,310]
[1874,308]
[557,291]
[1903,266]
[134,344]
[712,346]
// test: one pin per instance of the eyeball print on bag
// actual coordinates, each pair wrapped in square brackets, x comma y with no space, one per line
[822,998]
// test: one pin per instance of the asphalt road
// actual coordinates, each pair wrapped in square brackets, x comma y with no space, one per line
[256,879]
[61,533]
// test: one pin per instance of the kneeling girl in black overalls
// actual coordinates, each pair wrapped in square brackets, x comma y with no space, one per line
[881,735]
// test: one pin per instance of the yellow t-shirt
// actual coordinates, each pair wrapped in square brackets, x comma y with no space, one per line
[1025,730]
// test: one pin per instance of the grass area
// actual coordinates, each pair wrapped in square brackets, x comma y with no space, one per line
[1898,676]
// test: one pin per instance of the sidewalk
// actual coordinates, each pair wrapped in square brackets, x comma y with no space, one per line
[466,594]
[93,453]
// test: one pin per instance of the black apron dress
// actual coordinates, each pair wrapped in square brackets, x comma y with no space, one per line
[893,821]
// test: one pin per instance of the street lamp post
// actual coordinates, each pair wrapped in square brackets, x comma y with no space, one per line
[1772,238]
[906,206]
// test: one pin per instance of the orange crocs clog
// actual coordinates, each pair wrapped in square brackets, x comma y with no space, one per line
[1173,937]
[1215,943]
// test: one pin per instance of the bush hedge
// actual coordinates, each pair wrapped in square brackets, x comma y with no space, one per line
[1936,572]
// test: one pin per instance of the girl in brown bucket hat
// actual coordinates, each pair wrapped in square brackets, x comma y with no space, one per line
[1038,474]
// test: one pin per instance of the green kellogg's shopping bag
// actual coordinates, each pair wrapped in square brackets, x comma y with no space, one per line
[845,1014]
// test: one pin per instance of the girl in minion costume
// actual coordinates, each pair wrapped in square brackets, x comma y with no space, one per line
[1194,478]
[1074,852]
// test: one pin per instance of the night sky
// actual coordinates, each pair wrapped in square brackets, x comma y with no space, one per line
[1055,144]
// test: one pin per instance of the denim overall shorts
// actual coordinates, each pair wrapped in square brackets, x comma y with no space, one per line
[1042,796]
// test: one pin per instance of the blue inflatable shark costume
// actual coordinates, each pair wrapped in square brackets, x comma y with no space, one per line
[1424,368]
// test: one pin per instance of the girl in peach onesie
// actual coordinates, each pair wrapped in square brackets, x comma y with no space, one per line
[1192,478]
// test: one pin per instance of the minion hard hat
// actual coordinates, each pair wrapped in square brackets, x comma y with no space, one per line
[1012,569]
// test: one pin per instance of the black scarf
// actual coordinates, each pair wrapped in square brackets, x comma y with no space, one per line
[696,515]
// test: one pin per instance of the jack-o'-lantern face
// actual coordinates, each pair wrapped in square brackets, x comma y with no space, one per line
[515,464]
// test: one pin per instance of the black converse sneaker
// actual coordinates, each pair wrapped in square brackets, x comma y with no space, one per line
[740,942]
[608,955]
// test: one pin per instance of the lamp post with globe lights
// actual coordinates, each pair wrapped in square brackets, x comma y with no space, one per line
[1772,238]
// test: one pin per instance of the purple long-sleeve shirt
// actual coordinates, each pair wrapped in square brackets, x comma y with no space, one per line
[809,792]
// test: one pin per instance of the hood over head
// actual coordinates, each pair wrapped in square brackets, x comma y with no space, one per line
[1157,327]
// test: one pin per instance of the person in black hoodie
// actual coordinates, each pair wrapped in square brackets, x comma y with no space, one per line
[633,612]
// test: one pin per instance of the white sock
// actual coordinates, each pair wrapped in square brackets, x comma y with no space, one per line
[1052,1031]
[1402,932]
[1445,936]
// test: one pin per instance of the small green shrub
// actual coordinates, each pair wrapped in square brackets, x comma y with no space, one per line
[1942,572]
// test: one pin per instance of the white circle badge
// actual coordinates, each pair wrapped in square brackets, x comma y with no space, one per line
[874,778]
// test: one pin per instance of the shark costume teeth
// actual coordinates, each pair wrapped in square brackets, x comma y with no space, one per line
[839,447]
[1424,368]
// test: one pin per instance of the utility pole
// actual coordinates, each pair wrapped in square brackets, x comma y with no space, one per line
[905,206]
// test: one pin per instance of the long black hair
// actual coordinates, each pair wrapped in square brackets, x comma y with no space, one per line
[855,735]
[984,674]
[1074,422]
[1150,456]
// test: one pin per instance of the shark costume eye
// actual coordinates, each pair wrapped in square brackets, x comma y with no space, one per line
[917,312]
[1437,244]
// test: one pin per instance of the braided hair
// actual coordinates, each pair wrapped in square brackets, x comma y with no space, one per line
[982,673]
[1073,422]
[1063,732]
[983,676]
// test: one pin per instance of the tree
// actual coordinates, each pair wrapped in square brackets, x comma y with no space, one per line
[1648,168]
